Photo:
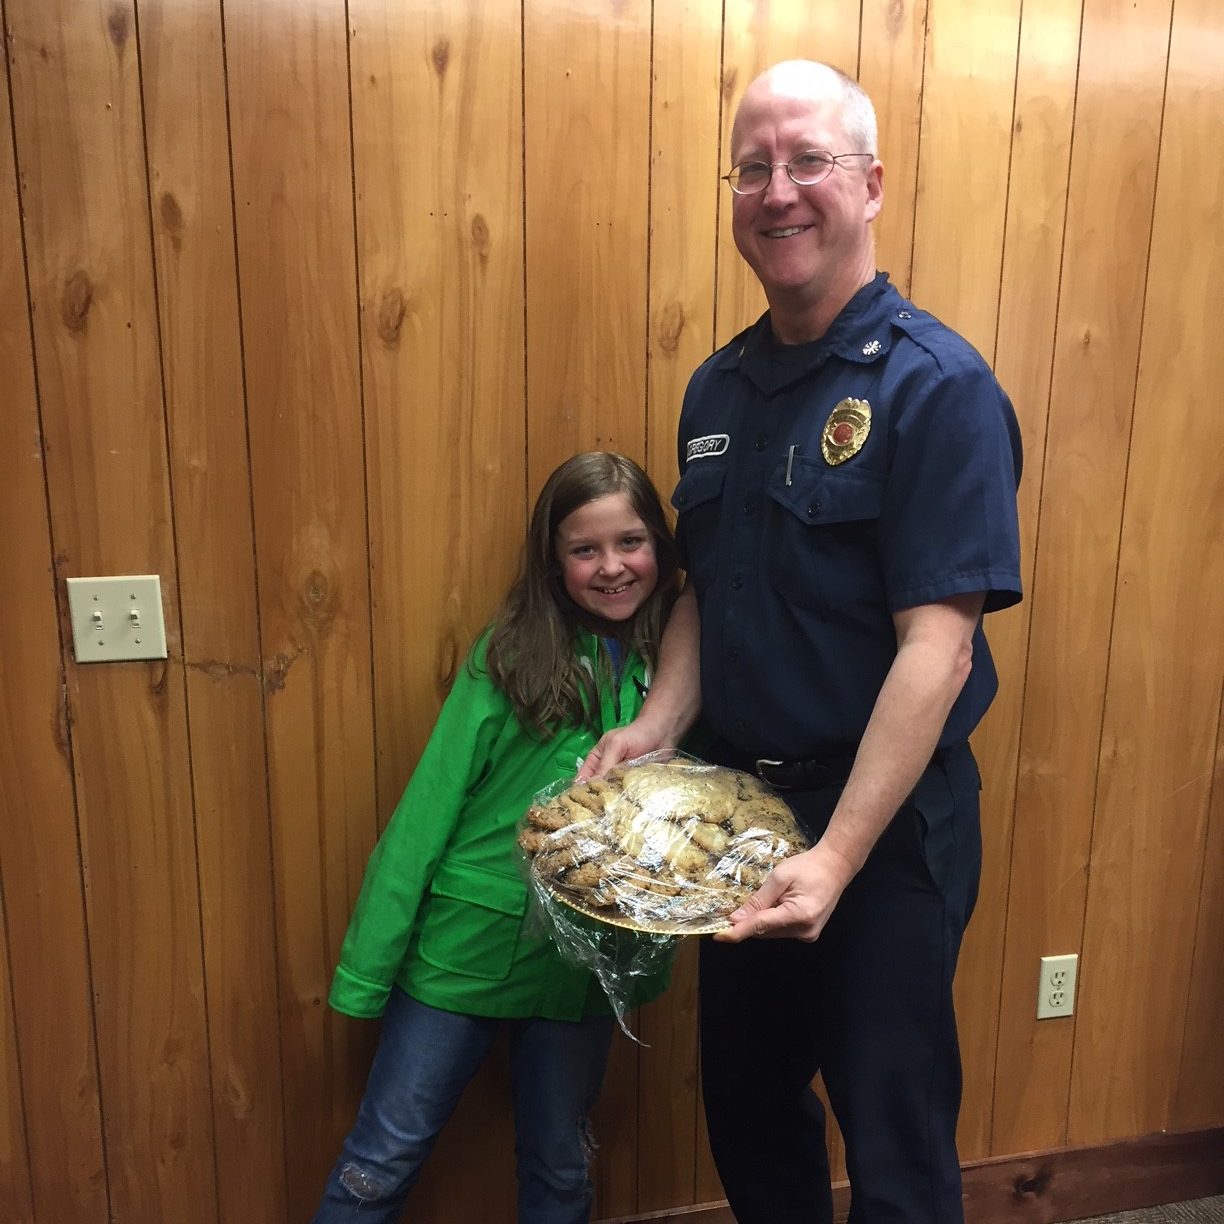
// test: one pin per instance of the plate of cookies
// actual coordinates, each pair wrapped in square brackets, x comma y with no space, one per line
[665,844]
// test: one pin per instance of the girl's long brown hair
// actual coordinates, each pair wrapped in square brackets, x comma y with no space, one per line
[531,653]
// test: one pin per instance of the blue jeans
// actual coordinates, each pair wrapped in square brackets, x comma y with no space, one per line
[425,1059]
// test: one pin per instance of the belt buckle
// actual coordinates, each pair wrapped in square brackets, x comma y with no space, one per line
[763,763]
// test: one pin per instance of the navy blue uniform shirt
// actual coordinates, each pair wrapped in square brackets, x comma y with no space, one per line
[799,563]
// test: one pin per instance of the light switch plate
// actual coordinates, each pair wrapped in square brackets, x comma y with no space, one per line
[117,618]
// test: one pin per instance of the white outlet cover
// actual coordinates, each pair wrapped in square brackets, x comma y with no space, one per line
[104,629]
[1056,986]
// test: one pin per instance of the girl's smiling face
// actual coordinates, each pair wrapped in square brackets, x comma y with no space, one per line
[607,557]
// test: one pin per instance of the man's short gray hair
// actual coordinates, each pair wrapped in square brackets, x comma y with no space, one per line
[858,114]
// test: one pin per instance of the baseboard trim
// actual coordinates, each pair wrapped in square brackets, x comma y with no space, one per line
[1056,1185]
[1074,1183]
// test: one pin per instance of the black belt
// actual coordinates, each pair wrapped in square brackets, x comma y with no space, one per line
[819,771]
[804,775]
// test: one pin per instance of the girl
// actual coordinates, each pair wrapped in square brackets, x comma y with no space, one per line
[434,945]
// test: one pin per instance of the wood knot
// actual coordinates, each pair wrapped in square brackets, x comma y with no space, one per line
[729,77]
[78,298]
[391,312]
[448,662]
[441,56]
[237,1093]
[172,219]
[317,601]
[61,725]
[159,678]
[894,19]
[671,324]
[480,237]
[1018,126]
[117,26]
[1026,1186]
[1087,338]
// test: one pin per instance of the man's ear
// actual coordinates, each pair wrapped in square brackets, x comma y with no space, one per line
[875,189]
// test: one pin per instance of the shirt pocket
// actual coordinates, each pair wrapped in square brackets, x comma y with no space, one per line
[698,503]
[472,927]
[824,551]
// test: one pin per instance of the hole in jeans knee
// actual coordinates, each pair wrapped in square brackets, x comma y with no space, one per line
[587,1144]
[362,1184]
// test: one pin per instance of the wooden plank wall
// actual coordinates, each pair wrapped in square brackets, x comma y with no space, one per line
[298,305]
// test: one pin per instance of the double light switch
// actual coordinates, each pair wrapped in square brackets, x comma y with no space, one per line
[117,618]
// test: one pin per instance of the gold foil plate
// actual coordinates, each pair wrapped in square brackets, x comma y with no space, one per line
[611,916]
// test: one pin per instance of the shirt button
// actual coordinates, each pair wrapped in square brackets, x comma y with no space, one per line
[749,506]
[761,442]
[737,582]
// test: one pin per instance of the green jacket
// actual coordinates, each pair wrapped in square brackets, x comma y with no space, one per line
[441,910]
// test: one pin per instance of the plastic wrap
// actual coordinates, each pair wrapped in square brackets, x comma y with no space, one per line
[660,847]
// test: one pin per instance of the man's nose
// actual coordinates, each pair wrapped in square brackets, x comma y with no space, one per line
[781,188]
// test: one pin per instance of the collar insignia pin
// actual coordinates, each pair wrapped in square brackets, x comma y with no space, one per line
[845,431]
[871,348]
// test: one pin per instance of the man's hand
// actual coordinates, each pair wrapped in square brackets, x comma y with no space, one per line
[796,899]
[934,654]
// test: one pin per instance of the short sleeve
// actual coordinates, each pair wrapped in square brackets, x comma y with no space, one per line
[949,523]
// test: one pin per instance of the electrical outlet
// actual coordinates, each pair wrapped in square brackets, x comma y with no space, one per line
[1056,986]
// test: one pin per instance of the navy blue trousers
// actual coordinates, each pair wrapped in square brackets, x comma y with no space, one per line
[869,1006]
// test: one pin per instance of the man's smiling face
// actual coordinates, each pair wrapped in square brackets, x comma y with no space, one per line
[805,244]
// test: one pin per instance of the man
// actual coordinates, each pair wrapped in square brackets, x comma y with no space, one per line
[846,514]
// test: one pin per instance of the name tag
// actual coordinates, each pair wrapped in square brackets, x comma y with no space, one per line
[711,444]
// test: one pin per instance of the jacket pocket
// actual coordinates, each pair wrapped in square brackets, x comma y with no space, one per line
[698,503]
[472,926]
[824,550]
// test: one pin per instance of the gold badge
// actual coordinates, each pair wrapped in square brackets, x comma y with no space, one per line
[845,431]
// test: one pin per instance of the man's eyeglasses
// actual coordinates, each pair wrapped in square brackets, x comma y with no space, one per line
[804,169]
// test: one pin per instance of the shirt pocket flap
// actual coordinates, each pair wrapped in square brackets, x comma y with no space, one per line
[701,482]
[480,886]
[819,495]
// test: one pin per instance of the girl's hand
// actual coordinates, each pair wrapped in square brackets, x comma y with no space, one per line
[634,740]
